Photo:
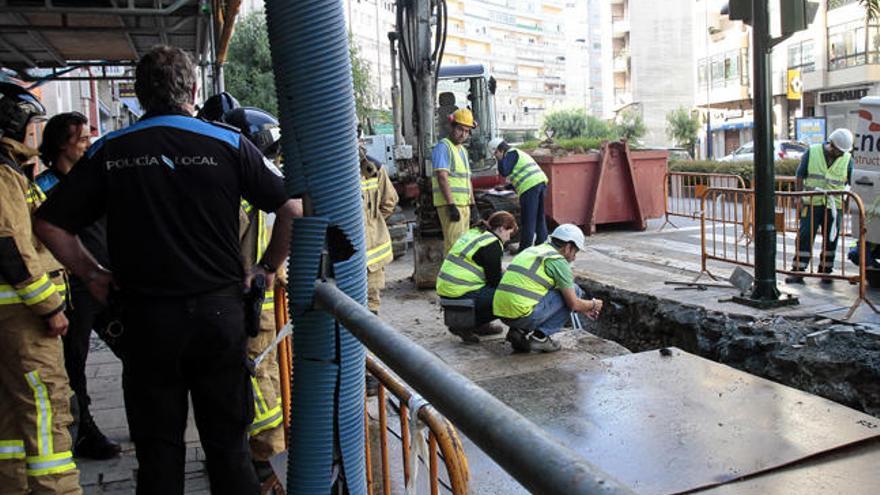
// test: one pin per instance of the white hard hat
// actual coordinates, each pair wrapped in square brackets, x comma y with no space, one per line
[570,233]
[842,139]
[493,144]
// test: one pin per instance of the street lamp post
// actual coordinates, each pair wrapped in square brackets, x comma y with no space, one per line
[587,90]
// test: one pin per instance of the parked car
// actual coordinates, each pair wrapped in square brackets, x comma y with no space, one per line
[679,155]
[782,150]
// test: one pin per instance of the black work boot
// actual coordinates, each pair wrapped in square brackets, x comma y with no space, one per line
[91,443]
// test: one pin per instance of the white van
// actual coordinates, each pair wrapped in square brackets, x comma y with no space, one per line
[866,157]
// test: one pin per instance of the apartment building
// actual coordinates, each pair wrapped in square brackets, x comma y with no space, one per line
[642,60]
[523,43]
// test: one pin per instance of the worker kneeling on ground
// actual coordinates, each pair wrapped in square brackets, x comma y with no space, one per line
[472,270]
[530,184]
[537,294]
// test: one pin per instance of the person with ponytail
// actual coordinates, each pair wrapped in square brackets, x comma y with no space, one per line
[472,270]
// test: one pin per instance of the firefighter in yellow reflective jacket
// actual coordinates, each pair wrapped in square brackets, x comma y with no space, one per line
[35,444]
[451,181]
[266,433]
[537,295]
[379,198]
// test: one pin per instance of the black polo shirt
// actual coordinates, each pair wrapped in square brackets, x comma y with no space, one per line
[170,186]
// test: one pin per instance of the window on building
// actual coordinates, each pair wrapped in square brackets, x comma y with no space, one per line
[731,68]
[702,80]
[852,44]
[717,69]
[801,56]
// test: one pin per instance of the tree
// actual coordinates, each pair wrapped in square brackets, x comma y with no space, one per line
[249,65]
[872,7]
[682,128]
[360,77]
[630,125]
[575,123]
[566,124]
[249,74]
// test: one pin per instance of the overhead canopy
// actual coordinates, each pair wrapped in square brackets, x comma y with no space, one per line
[60,33]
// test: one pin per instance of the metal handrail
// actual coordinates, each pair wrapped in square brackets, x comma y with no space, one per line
[536,460]
[441,434]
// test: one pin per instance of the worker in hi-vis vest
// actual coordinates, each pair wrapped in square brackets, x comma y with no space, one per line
[472,271]
[824,167]
[451,182]
[530,184]
[537,294]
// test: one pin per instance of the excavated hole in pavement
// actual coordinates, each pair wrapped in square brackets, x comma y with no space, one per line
[837,361]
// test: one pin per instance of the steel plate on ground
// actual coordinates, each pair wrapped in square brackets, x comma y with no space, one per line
[667,424]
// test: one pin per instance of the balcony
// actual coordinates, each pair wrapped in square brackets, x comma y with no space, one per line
[620,26]
[621,63]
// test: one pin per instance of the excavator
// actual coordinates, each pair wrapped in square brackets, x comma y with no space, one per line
[423,95]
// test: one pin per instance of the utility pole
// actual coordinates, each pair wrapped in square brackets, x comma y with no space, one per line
[796,15]
[765,290]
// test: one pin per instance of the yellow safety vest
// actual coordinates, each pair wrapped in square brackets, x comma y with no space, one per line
[262,244]
[525,282]
[459,274]
[526,174]
[822,177]
[459,176]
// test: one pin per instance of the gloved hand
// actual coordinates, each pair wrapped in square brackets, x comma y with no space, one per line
[454,214]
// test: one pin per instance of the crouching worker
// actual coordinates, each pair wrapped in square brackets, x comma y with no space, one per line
[537,294]
[472,270]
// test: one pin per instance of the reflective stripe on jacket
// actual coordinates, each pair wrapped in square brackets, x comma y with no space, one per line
[822,177]
[459,176]
[263,234]
[459,274]
[28,266]
[526,173]
[379,200]
[525,282]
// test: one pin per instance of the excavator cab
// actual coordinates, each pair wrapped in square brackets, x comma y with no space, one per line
[469,86]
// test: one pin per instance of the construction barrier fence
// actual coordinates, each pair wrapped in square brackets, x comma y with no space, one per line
[813,240]
[684,192]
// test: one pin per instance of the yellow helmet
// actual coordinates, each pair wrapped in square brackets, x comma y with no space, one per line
[464,117]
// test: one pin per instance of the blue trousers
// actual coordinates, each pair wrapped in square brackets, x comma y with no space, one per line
[813,218]
[482,303]
[549,316]
[533,230]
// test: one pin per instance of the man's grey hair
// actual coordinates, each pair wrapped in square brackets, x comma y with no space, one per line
[164,79]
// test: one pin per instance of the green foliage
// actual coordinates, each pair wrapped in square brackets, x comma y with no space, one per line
[873,9]
[566,123]
[575,123]
[249,74]
[682,128]
[742,169]
[360,77]
[249,64]
[578,145]
[630,125]
[600,129]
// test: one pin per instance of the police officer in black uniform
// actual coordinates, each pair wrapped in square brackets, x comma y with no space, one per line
[170,186]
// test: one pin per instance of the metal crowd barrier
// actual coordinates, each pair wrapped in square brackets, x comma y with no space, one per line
[441,435]
[684,191]
[726,235]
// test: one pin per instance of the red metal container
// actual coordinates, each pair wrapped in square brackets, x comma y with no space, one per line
[615,186]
